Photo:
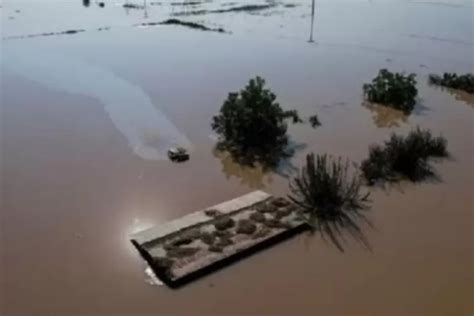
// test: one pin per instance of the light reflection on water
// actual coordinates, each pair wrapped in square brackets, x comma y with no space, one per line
[139,225]
[151,278]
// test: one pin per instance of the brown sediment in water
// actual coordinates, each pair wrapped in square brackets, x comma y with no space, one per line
[467,98]
[423,230]
[73,190]
[385,116]
[254,177]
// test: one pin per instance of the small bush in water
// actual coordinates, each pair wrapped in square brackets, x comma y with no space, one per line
[396,90]
[454,81]
[293,114]
[330,197]
[314,121]
[404,157]
[251,125]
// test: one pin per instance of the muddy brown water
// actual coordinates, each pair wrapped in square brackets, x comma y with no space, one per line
[85,119]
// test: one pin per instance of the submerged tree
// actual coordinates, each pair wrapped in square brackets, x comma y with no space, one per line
[331,199]
[395,90]
[251,125]
[404,157]
[314,121]
[293,114]
[451,80]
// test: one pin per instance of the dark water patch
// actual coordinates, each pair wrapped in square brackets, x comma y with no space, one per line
[72,31]
[187,3]
[194,12]
[133,6]
[68,32]
[247,8]
[193,25]
[250,8]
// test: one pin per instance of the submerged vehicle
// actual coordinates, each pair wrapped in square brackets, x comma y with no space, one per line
[178,154]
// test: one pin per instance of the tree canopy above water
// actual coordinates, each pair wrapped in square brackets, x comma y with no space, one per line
[251,125]
[395,90]
[451,80]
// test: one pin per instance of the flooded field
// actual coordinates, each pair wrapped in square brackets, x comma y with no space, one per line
[93,96]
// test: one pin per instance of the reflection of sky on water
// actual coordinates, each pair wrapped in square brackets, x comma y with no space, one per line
[148,131]
[418,35]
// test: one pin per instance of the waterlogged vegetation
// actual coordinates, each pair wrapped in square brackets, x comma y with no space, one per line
[331,198]
[249,8]
[133,6]
[454,81]
[314,121]
[331,190]
[193,25]
[252,126]
[293,114]
[395,90]
[404,157]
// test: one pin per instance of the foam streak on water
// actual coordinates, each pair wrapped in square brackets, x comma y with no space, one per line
[148,131]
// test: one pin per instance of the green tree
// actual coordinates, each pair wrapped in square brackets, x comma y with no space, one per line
[395,90]
[251,125]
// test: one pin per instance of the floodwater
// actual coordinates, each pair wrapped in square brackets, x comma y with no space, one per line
[86,118]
